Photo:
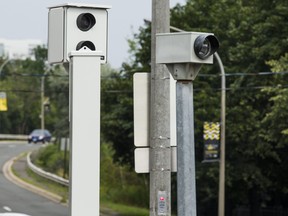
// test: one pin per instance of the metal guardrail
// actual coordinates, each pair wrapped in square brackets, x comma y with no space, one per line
[18,137]
[34,168]
[13,137]
[45,174]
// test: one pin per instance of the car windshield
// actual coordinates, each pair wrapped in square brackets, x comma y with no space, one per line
[40,132]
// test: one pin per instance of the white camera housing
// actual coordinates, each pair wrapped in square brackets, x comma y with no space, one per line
[185,52]
[64,34]
[179,48]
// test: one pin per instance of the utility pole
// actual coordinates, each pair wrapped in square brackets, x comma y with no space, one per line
[42,102]
[160,150]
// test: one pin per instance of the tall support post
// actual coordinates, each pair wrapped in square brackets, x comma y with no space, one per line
[84,133]
[184,53]
[221,197]
[160,151]
[186,186]
[42,115]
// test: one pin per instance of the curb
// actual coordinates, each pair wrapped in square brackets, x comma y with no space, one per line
[9,175]
[7,171]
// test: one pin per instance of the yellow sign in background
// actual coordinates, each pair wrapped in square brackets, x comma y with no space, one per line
[3,102]
[211,131]
[211,137]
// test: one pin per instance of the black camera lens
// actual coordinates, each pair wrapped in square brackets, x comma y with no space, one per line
[86,21]
[87,44]
[205,46]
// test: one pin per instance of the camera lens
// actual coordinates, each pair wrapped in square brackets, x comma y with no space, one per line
[85,21]
[205,46]
[205,49]
[87,44]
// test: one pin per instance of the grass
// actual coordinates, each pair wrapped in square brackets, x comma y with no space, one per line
[49,185]
[43,183]
[125,210]
[63,191]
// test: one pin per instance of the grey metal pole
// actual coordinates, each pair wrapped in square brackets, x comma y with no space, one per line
[42,102]
[186,186]
[221,197]
[160,151]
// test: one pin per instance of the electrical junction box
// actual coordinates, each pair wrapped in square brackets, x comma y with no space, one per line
[73,26]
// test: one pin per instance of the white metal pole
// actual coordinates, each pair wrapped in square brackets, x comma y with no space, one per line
[84,133]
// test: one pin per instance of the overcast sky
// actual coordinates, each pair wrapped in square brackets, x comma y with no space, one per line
[28,19]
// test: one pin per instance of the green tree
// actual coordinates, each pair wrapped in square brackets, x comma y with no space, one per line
[21,83]
[276,133]
[21,80]
[58,93]
[250,34]
[117,113]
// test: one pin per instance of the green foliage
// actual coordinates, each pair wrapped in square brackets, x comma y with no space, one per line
[252,38]
[117,114]
[23,97]
[276,134]
[279,65]
[125,210]
[118,183]
[58,91]
[48,185]
[21,80]
[140,61]
[51,159]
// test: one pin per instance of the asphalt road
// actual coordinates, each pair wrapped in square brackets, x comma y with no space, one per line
[18,200]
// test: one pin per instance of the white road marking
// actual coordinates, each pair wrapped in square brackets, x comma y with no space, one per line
[7,208]
[13,214]
[10,213]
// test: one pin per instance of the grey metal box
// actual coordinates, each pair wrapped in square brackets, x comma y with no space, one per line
[174,48]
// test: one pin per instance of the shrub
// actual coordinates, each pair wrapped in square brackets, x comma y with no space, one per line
[51,159]
[118,183]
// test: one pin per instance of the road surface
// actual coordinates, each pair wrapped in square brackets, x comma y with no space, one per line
[14,199]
